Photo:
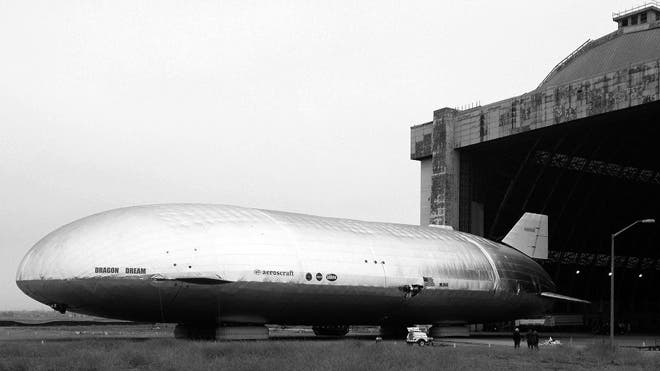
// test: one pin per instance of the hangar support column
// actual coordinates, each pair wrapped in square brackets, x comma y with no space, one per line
[445,170]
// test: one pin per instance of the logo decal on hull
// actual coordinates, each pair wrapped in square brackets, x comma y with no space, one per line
[106,270]
[273,273]
[136,270]
[116,270]
[331,277]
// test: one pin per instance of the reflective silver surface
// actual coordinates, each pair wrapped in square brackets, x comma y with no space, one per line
[216,263]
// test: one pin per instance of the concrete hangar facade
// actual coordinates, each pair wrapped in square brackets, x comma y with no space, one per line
[583,148]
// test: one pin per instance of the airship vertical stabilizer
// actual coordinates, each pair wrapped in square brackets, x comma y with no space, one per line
[530,236]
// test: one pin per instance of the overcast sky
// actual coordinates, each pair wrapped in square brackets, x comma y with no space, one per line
[301,106]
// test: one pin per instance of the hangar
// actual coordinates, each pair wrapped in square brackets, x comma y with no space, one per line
[583,148]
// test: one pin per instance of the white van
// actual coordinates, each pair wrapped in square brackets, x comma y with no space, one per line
[416,335]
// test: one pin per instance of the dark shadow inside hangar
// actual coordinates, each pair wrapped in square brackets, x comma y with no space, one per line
[592,177]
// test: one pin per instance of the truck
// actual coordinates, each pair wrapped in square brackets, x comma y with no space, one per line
[418,336]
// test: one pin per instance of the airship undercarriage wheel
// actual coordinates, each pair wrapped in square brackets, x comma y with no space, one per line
[331,330]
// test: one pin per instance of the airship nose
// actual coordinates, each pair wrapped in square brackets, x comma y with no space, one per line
[38,264]
[73,251]
[58,256]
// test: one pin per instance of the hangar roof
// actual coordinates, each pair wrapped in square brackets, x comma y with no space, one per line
[610,53]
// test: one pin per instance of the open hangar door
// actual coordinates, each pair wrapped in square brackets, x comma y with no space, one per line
[592,177]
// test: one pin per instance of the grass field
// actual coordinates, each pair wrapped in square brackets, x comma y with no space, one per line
[347,354]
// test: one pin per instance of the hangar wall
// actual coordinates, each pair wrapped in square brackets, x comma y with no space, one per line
[452,129]
[582,148]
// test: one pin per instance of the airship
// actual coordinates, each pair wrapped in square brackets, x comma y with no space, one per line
[224,272]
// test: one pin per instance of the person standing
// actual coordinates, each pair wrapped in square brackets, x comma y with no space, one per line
[516,338]
[530,341]
[535,340]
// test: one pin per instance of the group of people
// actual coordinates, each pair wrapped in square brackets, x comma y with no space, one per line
[532,338]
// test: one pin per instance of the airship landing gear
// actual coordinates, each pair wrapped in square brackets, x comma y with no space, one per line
[331,330]
[220,332]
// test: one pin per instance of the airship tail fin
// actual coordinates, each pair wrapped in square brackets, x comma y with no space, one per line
[530,236]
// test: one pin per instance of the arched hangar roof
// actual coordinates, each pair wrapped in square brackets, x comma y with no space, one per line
[610,53]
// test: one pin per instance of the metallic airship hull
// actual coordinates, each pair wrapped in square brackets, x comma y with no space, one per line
[217,264]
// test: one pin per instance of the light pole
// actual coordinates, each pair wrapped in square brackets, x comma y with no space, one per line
[646,221]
